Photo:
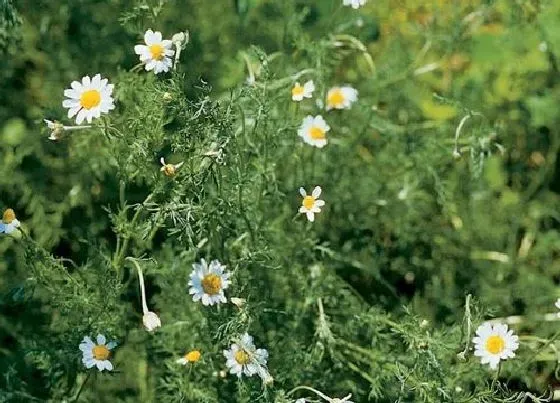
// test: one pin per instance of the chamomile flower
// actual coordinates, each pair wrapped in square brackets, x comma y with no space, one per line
[244,358]
[493,343]
[208,282]
[58,128]
[306,91]
[311,204]
[341,97]
[156,53]
[313,131]
[190,357]
[169,169]
[9,222]
[354,3]
[557,305]
[88,99]
[151,321]
[96,354]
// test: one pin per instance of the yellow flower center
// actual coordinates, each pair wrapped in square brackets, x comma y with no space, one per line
[242,357]
[157,51]
[169,169]
[211,284]
[193,356]
[90,99]
[495,344]
[297,90]
[100,352]
[308,202]
[336,98]
[316,133]
[8,216]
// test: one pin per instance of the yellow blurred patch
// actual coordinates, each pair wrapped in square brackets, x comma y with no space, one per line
[436,111]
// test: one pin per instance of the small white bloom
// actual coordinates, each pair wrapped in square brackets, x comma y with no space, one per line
[208,282]
[97,354]
[354,3]
[341,97]
[311,204]
[244,358]
[179,40]
[89,98]
[9,222]
[238,302]
[557,305]
[494,343]
[58,128]
[169,169]
[151,321]
[299,92]
[191,357]
[156,53]
[313,131]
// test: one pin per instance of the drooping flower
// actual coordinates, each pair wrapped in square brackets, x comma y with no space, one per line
[169,169]
[151,321]
[88,99]
[9,222]
[341,97]
[58,128]
[354,3]
[156,53]
[97,354]
[244,358]
[494,343]
[179,40]
[306,91]
[313,131]
[190,357]
[557,305]
[311,204]
[208,282]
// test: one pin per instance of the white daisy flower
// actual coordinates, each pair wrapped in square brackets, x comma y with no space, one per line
[58,128]
[191,357]
[97,354]
[244,358]
[151,321]
[208,282]
[494,343]
[354,3]
[341,97]
[310,204]
[306,91]
[313,131]
[180,41]
[557,305]
[169,169]
[9,222]
[156,53]
[89,98]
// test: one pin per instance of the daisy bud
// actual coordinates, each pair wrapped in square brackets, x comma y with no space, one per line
[151,321]
[167,96]
[57,128]
[238,302]
[191,357]
[169,169]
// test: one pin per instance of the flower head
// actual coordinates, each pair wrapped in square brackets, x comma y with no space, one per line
[494,343]
[311,204]
[190,357]
[244,358]
[341,97]
[306,91]
[151,321]
[88,99]
[354,3]
[557,305]
[169,169]
[208,282]
[313,131]
[98,353]
[156,53]
[57,129]
[9,222]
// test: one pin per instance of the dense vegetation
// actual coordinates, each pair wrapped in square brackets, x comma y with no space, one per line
[441,186]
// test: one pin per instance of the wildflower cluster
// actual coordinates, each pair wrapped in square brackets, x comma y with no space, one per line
[163,251]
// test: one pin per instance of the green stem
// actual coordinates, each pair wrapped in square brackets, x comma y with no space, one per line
[82,386]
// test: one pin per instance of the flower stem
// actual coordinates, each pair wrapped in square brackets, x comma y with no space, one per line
[141,281]
[82,386]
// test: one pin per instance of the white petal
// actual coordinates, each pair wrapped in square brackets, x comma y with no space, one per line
[316,192]
[101,339]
